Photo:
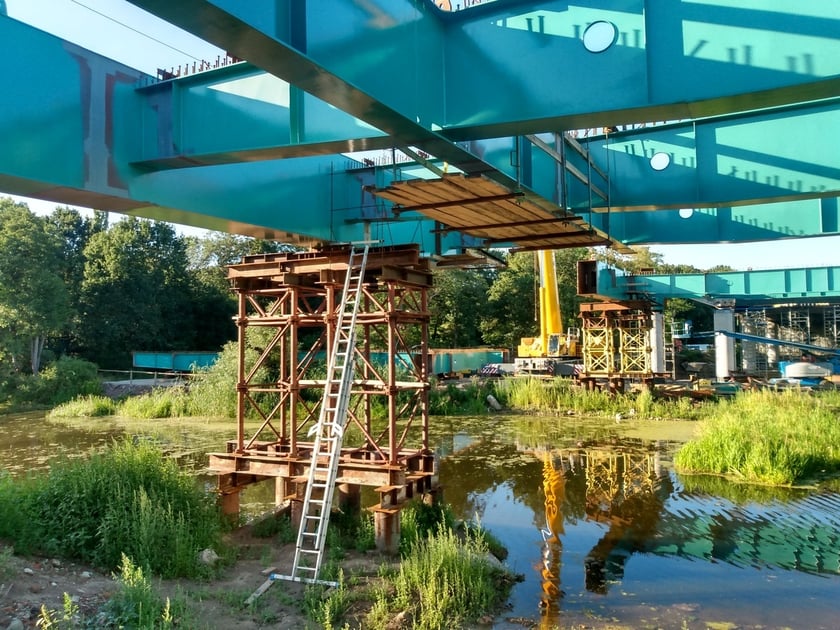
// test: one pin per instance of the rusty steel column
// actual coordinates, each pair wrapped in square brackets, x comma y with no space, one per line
[391,388]
[294,369]
[280,491]
[283,377]
[424,366]
[241,326]
[386,528]
[230,504]
[367,371]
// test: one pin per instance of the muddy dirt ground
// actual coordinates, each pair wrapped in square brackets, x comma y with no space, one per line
[28,583]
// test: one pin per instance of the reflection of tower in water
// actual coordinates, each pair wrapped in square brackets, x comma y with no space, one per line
[624,490]
[621,484]
[554,488]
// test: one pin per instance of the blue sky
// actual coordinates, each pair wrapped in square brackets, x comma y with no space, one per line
[121,31]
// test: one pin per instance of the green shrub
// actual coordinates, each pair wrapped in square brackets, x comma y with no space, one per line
[213,390]
[129,499]
[460,398]
[67,379]
[57,383]
[136,604]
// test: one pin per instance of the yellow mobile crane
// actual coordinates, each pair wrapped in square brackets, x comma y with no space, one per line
[554,352]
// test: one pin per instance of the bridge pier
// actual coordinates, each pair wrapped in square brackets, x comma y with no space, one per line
[724,319]
[657,343]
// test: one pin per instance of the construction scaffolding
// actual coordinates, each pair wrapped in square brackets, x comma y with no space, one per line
[616,342]
[288,314]
[817,325]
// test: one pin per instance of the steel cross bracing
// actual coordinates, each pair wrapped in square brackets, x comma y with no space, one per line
[329,430]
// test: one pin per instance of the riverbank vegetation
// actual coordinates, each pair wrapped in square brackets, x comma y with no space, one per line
[131,510]
[129,499]
[767,437]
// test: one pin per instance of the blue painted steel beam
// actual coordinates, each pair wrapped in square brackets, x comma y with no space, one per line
[516,68]
[817,284]
[86,109]
[273,36]
[513,70]
[755,223]
[758,157]
[239,114]
[193,137]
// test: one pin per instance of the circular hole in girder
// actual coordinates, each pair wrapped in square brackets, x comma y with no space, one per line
[599,36]
[685,213]
[660,161]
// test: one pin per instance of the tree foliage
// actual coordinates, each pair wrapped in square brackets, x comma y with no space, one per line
[34,300]
[457,303]
[75,285]
[134,292]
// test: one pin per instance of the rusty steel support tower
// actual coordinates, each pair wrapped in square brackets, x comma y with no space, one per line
[295,298]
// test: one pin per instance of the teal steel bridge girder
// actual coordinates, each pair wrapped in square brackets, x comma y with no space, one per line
[93,114]
[725,289]
[115,146]
[696,178]
[515,67]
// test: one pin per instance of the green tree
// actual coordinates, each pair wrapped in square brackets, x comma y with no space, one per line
[73,232]
[34,302]
[213,302]
[513,306]
[642,258]
[135,292]
[457,302]
[511,311]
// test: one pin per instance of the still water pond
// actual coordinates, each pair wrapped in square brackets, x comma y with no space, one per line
[593,516]
[603,529]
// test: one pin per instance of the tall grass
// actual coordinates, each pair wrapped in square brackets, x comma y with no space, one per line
[85,407]
[767,437]
[560,395]
[448,582]
[164,402]
[128,500]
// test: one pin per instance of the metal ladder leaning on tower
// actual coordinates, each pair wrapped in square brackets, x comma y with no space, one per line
[328,433]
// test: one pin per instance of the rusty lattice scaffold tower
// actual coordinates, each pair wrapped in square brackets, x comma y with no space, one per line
[295,298]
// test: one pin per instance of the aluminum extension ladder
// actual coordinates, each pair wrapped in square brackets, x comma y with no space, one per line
[329,431]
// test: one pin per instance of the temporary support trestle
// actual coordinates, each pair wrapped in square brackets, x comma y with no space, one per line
[291,306]
[616,342]
[328,432]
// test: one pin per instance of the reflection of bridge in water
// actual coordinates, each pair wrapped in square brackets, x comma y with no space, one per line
[627,489]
